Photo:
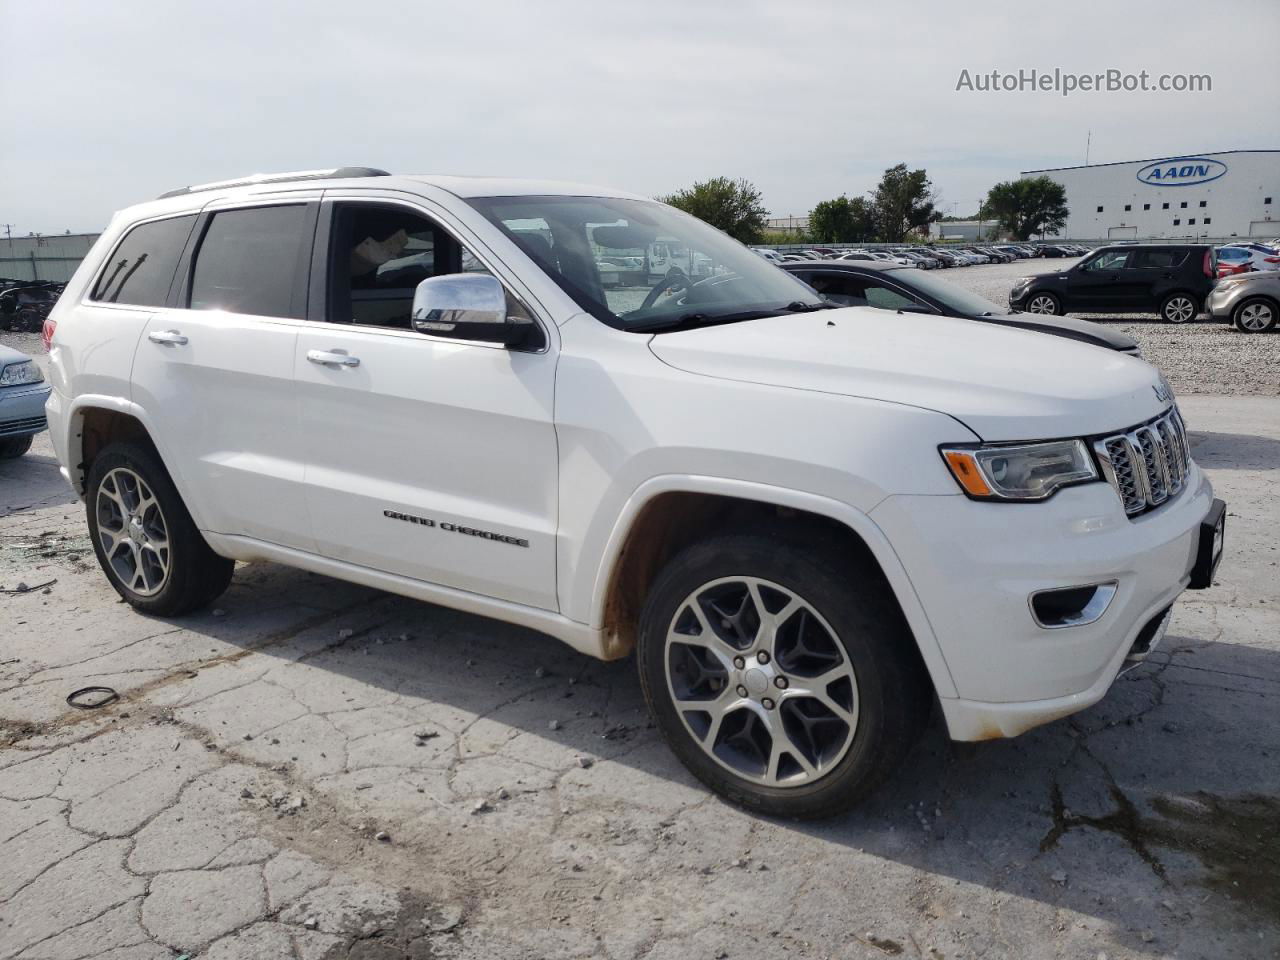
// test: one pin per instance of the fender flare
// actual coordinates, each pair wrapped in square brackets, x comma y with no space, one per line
[856,520]
[73,442]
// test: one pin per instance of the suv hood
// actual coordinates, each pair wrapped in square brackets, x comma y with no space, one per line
[1003,383]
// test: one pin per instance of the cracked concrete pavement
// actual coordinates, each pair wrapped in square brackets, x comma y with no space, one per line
[317,770]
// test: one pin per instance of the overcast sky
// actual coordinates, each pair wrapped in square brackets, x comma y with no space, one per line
[109,102]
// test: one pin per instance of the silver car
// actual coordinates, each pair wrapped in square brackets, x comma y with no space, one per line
[1249,300]
[22,396]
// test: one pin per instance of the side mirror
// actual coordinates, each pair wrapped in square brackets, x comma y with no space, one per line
[468,306]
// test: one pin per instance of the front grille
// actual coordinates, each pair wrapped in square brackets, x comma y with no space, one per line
[30,425]
[1147,464]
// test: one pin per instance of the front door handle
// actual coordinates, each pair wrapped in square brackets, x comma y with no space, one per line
[325,357]
[170,338]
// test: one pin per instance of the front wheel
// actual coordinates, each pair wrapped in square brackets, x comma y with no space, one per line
[1179,308]
[144,538]
[1255,315]
[780,675]
[14,448]
[1044,304]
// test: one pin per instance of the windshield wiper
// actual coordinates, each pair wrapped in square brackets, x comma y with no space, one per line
[698,320]
[799,306]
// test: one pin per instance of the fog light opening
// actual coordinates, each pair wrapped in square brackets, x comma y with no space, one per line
[1072,606]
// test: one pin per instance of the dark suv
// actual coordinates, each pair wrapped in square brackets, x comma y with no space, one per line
[1171,280]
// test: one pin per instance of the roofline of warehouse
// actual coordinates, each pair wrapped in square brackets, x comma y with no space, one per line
[1125,163]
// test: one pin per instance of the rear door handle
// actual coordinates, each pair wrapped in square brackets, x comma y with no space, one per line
[325,357]
[170,338]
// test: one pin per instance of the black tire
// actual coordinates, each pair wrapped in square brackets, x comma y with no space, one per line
[195,575]
[1051,303]
[893,694]
[1174,308]
[14,448]
[1251,315]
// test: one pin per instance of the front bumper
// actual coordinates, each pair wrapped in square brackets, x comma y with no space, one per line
[22,410]
[1219,303]
[974,566]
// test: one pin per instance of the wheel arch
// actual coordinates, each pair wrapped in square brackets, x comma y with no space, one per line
[668,513]
[1272,301]
[94,422]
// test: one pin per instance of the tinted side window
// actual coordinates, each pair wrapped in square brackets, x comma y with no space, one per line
[248,262]
[141,267]
[1159,259]
[1111,260]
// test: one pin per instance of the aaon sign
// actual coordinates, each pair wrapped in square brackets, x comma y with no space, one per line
[1181,171]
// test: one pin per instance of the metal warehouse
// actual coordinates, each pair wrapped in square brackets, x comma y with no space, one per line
[1228,194]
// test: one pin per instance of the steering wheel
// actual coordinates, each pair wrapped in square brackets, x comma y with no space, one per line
[675,280]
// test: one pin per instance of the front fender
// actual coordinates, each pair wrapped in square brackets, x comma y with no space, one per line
[601,574]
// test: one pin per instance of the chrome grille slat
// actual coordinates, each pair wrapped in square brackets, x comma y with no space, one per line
[1147,464]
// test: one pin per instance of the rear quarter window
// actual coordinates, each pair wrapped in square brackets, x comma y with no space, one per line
[140,269]
[250,260]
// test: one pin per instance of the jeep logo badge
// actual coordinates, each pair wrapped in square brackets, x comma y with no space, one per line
[1181,171]
[1164,393]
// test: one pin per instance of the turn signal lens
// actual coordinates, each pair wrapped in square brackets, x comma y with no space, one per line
[965,469]
[1024,471]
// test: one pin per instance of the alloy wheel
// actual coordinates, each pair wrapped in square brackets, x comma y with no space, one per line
[1256,317]
[132,532]
[1179,310]
[1042,305]
[761,681]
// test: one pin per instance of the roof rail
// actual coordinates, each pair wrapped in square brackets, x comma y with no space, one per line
[333,173]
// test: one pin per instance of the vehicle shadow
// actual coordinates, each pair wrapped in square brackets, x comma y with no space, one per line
[32,481]
[1151,793]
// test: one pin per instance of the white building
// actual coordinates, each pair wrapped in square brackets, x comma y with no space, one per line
[1235,193]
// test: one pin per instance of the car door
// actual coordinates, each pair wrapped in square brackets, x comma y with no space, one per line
[1155,271]
[425,457]
[214,369]
[1097,283]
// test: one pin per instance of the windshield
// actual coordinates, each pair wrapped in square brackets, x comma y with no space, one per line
[950,295]
[641,265]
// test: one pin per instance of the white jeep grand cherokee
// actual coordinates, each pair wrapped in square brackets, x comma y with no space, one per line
[808,522]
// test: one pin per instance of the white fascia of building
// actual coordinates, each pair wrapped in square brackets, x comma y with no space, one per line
[1232,193]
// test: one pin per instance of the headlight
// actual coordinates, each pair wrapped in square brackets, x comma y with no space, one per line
[1027,471]
[24,372]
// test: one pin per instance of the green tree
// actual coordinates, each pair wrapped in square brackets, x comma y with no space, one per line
[730,205]
[842,220]
[1028,206]
[903,201]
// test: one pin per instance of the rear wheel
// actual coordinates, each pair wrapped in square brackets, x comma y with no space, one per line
[779,674]
[14,448]
[144,538]
[1179,308]
[1044,303]
[1255,315]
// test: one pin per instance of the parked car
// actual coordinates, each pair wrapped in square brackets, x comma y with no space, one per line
[809,524]
[1171,280]
[1051,251]
[885,256]
[916,259]
[856,255]
[23,393]
[1233,260]
[23,308]
[1251,301]
[910,291]
[1261,257]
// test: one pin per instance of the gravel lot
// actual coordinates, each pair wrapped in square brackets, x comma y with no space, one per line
[1199,357]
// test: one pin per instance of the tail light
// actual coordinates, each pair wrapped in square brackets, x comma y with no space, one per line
[46,332]
[1208,263]
[1271,259]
